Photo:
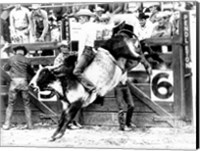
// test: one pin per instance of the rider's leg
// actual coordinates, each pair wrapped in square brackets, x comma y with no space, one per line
[84,60]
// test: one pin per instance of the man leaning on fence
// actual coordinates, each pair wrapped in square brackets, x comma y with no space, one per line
[20,72]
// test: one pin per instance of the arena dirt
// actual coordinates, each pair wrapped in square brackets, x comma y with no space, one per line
[102,137]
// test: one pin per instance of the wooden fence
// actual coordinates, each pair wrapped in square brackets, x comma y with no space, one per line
[147,113]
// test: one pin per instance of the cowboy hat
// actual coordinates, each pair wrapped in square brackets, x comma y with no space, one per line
[35,6]
[143,16]
[84,12]
[21,48]
[63,43]
[99,9]
[163,14]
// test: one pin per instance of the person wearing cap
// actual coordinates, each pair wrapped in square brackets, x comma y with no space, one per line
[86,51]
[39,23]
[60,72]
[20,72]
[19,24]
[164,28]
[145,27]
[99,11]
[154,8]
[64,52]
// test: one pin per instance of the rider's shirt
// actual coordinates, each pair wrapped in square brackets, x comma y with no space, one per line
[87,36]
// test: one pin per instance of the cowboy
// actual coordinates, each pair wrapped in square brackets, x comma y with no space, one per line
[145,28]
[99,11]
[19,24]
[164,27]
[86,51]
[64,52]
[122,91]
[154,8]
[39,23]
[20,71]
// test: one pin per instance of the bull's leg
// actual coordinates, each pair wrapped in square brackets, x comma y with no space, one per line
[66,118]
[60,125]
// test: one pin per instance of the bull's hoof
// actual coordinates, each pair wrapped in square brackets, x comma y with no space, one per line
[57,136]
[52,139]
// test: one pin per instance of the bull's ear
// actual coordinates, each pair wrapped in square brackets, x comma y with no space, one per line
[40,67]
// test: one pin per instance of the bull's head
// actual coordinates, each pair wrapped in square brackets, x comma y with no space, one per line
[42,79]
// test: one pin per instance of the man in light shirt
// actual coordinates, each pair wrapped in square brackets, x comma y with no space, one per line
[164,28]
[86,51]
[19,24]
[145,27]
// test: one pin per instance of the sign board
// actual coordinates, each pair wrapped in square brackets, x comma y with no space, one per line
[104,31]
[162,85]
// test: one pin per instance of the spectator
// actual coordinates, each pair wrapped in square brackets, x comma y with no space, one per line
[114,8]
[99,12]
[20,72]
[54,27]
[64,52]
[164,27]
[19,24]
[145,28]
[132,7]
[153,8]
[39,23]
[5,23]
[175,19]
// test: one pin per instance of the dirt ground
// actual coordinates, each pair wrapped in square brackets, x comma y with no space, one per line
[102,137]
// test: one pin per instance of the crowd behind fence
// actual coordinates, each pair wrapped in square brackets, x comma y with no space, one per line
[30,23]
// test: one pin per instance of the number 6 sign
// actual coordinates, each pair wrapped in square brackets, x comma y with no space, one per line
[162,86]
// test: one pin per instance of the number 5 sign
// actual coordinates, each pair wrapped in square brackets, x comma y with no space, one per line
[162,85]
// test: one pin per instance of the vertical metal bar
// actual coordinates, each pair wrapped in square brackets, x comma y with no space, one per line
[0,24]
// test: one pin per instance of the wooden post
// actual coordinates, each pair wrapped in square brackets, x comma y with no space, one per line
[178,68]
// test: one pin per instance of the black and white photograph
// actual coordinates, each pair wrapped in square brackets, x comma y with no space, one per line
[99,74]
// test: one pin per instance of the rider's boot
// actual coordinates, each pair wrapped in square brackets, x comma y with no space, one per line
[83,62]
